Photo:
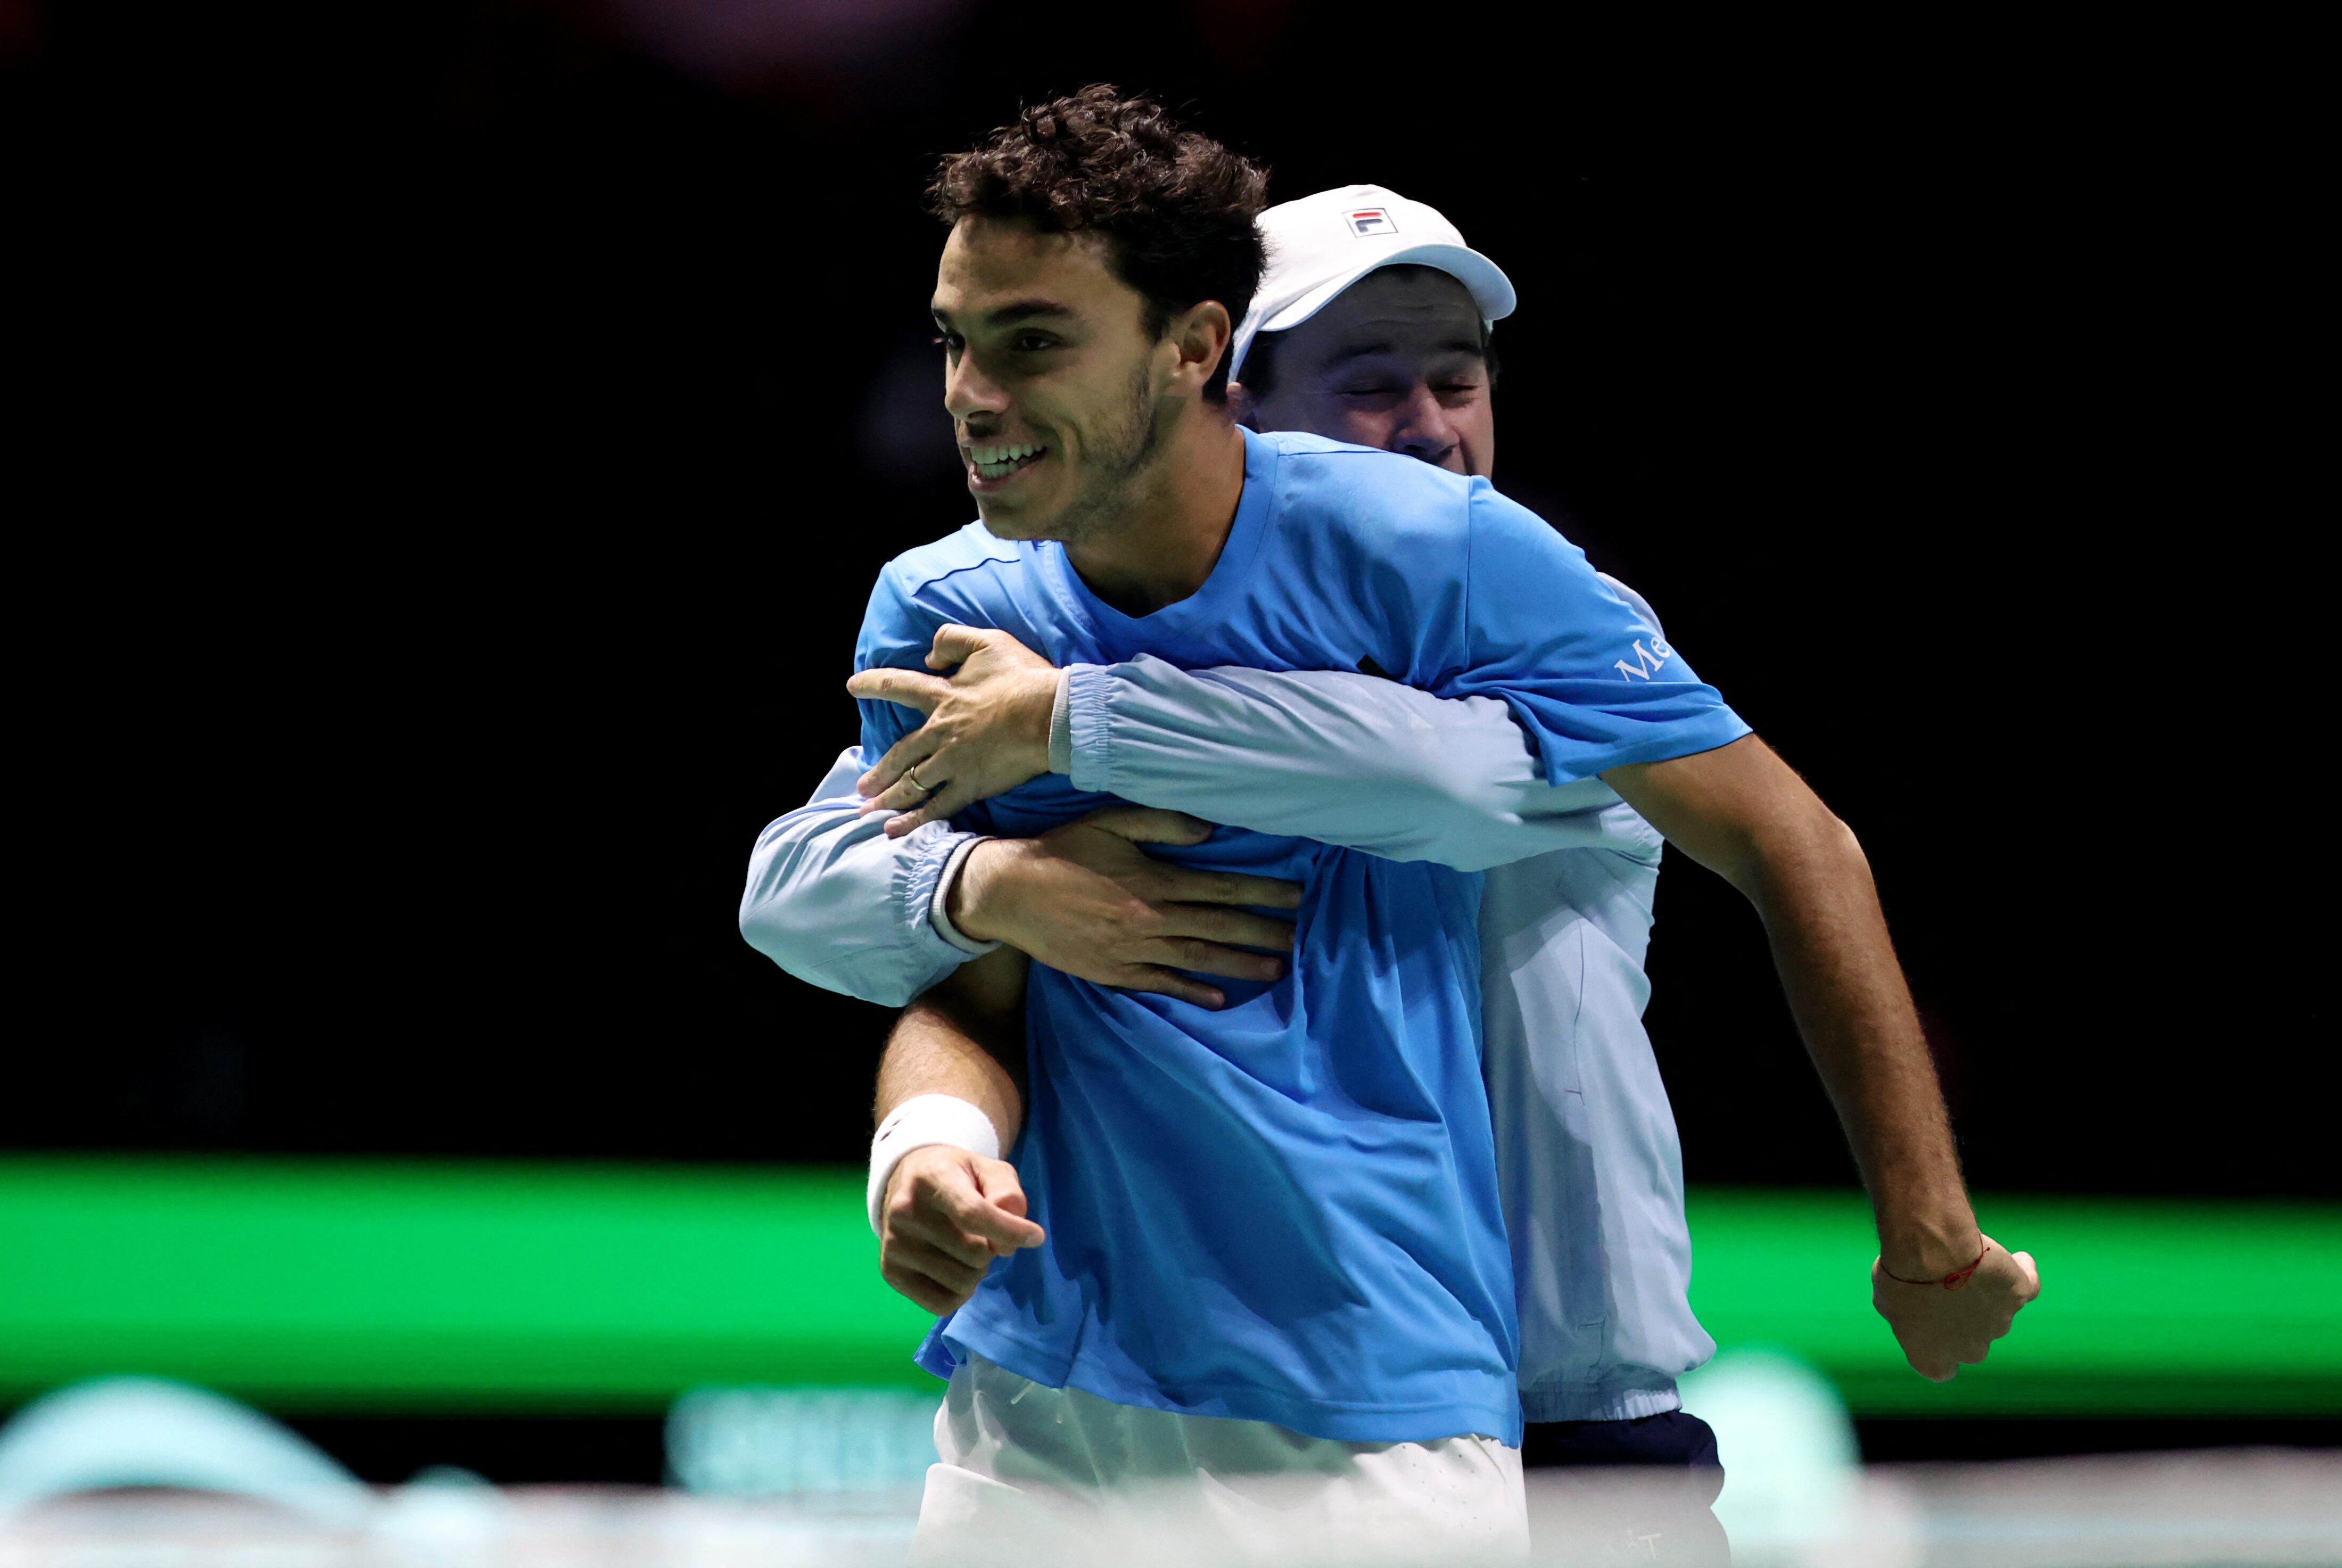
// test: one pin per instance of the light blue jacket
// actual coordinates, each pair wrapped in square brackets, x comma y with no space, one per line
[1588,1160]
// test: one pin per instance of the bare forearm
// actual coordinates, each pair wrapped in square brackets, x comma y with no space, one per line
[1812,885]
[1743,814]
[964,1038]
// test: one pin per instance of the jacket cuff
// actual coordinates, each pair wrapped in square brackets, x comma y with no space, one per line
[919,880]
[1085,690]
[1061,727]
[939,902]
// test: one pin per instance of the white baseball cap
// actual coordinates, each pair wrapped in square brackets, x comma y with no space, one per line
[1322,243]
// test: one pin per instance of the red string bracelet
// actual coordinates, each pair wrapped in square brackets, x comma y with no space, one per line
[1950,1282]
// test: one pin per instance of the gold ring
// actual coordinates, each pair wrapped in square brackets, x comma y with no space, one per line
[912,772]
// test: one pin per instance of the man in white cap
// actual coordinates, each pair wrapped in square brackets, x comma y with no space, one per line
[1371,326]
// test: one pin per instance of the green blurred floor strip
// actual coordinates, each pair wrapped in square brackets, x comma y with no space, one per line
[364,1286]
[2147,1308]
[355,1286]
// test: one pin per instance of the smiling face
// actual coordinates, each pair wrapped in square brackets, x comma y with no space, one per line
[1394,360]
[1057,389]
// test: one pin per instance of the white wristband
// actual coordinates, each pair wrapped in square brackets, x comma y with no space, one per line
[921,1120]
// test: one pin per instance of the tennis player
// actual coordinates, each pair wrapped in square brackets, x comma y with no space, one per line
[1395,357]
[1392,279]
[1264,1238]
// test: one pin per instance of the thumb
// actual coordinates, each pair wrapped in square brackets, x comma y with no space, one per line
[1009,1229]
[955,645]
[1146,825]
[2032,1274]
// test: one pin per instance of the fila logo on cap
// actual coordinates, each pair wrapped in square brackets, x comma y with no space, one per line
[1370,221]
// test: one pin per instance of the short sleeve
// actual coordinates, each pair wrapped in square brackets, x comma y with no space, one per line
[1586,674]
[897,630]
[896,633]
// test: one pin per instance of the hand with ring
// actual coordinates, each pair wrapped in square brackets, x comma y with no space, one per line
[987,730]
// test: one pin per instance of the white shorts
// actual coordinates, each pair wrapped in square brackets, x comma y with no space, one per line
[1034,1476]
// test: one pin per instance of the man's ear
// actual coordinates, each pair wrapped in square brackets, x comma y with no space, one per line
[1201,333]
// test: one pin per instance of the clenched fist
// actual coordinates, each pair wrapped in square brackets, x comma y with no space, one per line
[1942,1330]
[946,1214]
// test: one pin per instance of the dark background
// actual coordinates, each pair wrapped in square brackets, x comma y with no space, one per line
[466,433]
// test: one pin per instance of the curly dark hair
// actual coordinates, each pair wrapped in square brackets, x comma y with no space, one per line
[1175,209]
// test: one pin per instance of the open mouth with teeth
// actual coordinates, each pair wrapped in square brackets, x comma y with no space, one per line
[997,462]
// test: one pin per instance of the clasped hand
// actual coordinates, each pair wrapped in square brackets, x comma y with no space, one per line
[1086,900]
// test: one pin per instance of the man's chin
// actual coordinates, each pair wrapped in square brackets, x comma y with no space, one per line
[1003,521]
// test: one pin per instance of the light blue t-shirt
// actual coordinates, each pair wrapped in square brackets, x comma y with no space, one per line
[1287,1209]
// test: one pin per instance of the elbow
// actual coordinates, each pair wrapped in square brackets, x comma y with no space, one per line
[1814,849]
[782,911]
[807,948]
[753,924]
[822,902]
[780,921]
[1830,841]
[766,925]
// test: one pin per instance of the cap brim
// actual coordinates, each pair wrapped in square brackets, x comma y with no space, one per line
[1491,290]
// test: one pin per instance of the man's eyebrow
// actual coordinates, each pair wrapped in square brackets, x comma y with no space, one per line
[1369,350]
[1011,314]
[1025,310]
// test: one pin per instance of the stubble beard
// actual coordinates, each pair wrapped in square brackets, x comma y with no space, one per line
[1103,505]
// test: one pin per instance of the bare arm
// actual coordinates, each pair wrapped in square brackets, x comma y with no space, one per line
[947,1212]
[1742,813]
[966,1037]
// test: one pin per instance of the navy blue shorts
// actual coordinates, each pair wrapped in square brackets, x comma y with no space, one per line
[1650,1521]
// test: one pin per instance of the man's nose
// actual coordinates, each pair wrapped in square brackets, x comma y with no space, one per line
[1423,430]
[967,391]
